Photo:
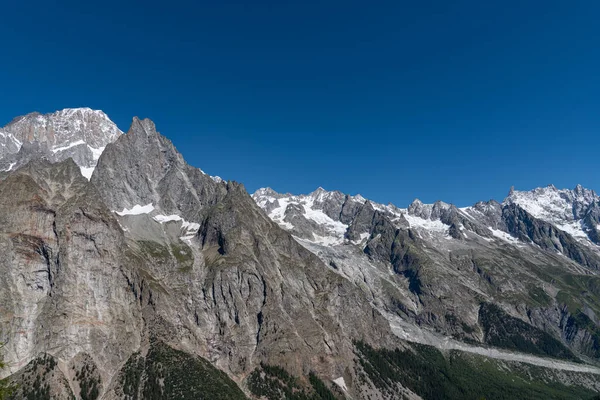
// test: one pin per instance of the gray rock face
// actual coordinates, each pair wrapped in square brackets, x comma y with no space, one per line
[287,296]
[362,221]
[62,289]
[143,167]
[525,227]
[77,133]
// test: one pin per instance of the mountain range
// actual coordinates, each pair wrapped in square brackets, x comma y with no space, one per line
[129,274]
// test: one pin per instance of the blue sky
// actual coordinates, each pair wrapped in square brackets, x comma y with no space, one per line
[394,100]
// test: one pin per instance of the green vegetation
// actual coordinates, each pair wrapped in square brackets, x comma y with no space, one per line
[131,376]
[184,256]
[433,376]
[579,321]
[275,383]
[564,298]
[34,380]
[180,252]
[166,373]
[539,297]
[154,250]
[502,330]
[89,382]
[579,290]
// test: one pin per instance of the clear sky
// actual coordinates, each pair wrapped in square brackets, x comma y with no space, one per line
[450,100]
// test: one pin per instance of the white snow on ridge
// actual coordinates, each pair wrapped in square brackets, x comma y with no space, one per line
[573,228]
[503,235]
[557,207]
[277,214]
[548,203]
[217,179]
[68,146]
[137,210]
[337,227]
[427,224]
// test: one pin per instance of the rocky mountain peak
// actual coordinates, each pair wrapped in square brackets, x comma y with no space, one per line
[415,206]
[427,211]
[144,169]
[77,133]
[551,202]
[566,209]
[142,127]
[267,191]
[65,127]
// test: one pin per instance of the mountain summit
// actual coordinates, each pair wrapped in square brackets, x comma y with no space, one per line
[77,133]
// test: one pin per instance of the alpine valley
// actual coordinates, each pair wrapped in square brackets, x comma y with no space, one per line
[128,274]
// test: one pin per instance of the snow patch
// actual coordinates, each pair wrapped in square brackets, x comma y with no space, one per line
[68,146]
[217,179]
[10,167]
[427,224]
[502,235]
[573,228]
[321,218]
[277,214]
[326,240]
[167,218]
[87,172]
[188,229]
[341,383]
[362,238]
[96,153]
[137,210]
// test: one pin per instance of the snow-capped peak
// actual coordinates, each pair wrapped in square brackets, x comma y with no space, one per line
[79,133]
[550,203]
[317,217]
[564,208]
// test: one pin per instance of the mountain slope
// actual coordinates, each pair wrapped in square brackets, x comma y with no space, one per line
[435,265]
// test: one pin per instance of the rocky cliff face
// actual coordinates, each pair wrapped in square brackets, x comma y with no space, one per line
[63,288]
[110,285]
